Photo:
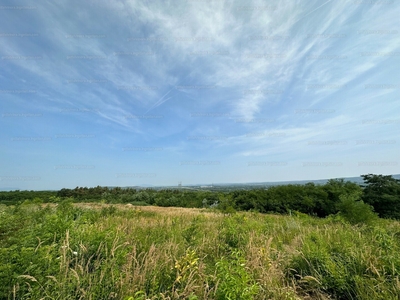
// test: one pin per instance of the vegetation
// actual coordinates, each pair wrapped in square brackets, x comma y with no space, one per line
[14,197]
[103,251]
[333,241]
[381,193]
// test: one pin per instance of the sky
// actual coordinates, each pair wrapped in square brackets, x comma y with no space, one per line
[129,92]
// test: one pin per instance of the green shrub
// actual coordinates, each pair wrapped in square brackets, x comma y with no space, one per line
[354,210]
[234,281]
[191,233]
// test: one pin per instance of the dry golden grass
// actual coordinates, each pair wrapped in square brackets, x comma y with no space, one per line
[167,211]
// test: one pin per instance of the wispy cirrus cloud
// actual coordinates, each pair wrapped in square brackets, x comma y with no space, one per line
[148,73]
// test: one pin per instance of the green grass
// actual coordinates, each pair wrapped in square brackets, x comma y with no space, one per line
[98,251]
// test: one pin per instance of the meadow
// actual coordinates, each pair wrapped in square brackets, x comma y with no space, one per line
[103,251]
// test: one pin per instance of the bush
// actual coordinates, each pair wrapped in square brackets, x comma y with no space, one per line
[355,211]
[234,282]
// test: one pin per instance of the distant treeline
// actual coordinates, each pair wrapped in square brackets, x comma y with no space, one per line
[380,191]
[14,197]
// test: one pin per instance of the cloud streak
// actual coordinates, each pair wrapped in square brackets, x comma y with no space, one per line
[242,71]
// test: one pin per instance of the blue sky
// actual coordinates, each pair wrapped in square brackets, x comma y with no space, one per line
[128,92]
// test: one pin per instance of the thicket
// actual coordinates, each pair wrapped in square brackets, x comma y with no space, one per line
[379,193]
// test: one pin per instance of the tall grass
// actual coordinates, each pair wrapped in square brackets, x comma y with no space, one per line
[95,251]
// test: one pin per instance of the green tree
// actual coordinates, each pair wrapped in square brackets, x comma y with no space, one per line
[334,189]
[383,193]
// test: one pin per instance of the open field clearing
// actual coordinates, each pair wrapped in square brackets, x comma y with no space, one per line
[101,251]
[173,211]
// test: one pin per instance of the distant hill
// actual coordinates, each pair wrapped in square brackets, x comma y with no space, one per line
[229,186]
[250,185]
[6,189]
[358,180]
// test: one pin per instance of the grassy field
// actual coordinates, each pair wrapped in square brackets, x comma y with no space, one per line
[99,251]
